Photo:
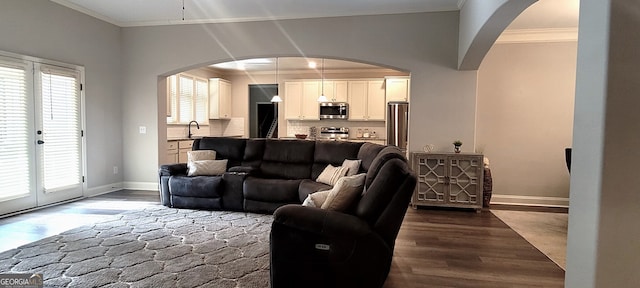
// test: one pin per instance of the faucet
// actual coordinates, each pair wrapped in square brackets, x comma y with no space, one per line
[197,126]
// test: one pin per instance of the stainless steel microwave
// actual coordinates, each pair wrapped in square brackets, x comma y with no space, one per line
[334,110]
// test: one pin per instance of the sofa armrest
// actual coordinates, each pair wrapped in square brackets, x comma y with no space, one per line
[321,221]
[332,248]
[173,169]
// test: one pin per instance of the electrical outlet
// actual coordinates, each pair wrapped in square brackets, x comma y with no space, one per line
[115,169]
[143,129]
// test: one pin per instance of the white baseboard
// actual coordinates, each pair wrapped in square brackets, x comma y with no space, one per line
[95,191]
[530,200]
[151,186]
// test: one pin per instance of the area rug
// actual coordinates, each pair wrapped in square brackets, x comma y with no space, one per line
[154,247]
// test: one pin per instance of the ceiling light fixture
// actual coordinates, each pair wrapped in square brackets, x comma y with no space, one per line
[322,98]
[312,64]
[276,98]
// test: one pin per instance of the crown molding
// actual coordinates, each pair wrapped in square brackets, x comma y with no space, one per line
[538,35]
[86,11]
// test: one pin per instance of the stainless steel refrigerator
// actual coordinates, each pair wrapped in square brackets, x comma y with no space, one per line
[398,124]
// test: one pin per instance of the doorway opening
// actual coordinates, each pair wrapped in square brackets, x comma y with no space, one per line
[262,112]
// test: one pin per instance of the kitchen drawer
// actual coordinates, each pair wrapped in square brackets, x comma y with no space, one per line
[172,145]
[185,144]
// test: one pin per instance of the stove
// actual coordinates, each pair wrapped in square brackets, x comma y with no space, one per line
[334,133]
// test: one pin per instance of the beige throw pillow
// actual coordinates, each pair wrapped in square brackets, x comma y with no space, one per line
[198,155]
[353,165]
[316,199]
[207,167]
[344,193]
[330,174]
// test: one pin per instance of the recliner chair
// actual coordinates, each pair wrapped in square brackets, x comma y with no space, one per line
[312,247]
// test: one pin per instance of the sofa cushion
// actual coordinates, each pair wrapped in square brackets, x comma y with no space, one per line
[353,166]
[308,186]
[253,152]
[386,154]
[334,153]
[316,199]
[198,186]
[271,190]
[368,151]
[331,174]
[201,155]
[206,167]
[344,193]
[287,159]
[231,149]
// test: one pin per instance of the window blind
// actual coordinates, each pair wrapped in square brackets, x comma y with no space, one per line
[61,129]
[201,102]
[14,128]
[185,99]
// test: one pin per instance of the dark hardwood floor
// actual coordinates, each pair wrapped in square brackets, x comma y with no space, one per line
[435,247]
[457,248]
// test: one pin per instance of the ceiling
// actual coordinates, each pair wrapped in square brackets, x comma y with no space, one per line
[542,15]
[163,12]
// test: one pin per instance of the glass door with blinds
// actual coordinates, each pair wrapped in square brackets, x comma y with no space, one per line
[40,135]
[58,134]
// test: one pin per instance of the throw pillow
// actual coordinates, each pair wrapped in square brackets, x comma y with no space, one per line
[330,174]
[206,167]
[316,199]
[198,155]
[353,165]
[344,193]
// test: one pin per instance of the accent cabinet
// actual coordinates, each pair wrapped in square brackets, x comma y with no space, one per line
[448,179]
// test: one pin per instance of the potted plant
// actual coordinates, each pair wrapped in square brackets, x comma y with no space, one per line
[456,146]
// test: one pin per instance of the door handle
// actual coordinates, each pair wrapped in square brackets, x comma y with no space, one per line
[40,142]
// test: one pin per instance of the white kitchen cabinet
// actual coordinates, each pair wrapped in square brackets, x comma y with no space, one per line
[172,152]
[366,100]
[397,89]
[336,90]
[183,147]
[219,99]
[301,100]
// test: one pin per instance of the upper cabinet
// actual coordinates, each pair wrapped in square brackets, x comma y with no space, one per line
[366,100]
[219,99]
[336,90]
[397,89]
[300,98]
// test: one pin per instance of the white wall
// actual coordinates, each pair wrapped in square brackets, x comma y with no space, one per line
[47,30]
[443,98]
[603,240]
[525,119]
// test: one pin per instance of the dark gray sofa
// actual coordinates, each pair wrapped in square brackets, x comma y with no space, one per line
[262,174]
[309,247]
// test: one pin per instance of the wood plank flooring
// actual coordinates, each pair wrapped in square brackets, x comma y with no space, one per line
[435,247]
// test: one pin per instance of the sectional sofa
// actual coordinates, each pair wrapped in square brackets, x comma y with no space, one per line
[309,246]
[264,174]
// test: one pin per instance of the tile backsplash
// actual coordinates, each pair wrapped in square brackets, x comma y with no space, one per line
[302,127]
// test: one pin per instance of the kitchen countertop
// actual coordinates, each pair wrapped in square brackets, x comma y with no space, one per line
[183,138]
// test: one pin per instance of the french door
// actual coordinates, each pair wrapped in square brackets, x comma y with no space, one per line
[40,134]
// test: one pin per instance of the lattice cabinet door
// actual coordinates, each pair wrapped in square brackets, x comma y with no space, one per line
[448,179]
[465,177]
[431,170]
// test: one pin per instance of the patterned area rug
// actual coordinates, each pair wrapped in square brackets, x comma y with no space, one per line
[154,247]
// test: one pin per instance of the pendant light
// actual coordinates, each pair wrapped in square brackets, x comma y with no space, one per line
[276,98]
[322,98]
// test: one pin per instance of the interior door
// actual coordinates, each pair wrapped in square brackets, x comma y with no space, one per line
[58,135]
